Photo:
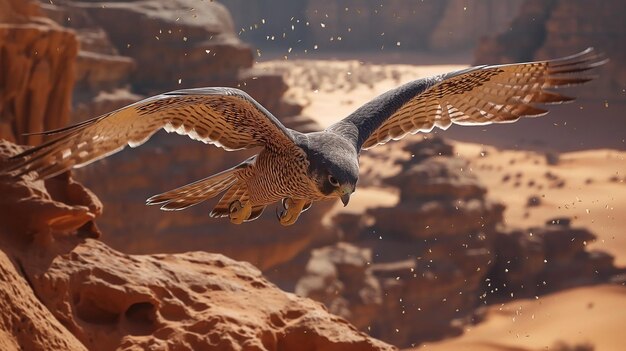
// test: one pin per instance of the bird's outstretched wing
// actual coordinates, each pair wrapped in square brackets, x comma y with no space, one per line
[225,117]
[474,96]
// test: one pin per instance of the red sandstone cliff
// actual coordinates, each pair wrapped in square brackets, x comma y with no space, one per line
[36,71]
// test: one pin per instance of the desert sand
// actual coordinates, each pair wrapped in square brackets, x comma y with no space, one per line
[591,316]
[587,186]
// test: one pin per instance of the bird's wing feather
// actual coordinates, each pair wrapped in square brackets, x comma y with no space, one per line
[474,96]
[225,117]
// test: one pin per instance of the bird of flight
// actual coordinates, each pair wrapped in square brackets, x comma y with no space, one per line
[297,169]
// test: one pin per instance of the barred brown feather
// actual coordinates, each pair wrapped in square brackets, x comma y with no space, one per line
[475,96]
[225,117]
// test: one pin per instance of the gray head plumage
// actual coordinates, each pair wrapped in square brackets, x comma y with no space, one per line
[334,163]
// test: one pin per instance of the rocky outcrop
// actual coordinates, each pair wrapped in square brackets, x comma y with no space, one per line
[339,276]
[72,293]
[40,208]
[36,72]
[556,28]
[18,11]
[463,23]
[102,74]
[26,324]
[545,259]
[186,301]
[195,43]
[438,238]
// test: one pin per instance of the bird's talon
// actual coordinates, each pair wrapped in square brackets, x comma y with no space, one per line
[234,206]
[238,213]
[288,202]
[292,209]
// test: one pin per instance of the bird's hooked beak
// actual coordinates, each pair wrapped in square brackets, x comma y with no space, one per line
[344,193]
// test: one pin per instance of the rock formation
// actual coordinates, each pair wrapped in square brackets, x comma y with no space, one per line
[36,71]
[27,324]
[549,29]
[40,208]
[463,23]
[339,276]
[196,46]
[438,238]
[545,259]
[102,73]
[369,25]
[187,301]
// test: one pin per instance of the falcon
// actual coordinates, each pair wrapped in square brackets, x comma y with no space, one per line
[296,169]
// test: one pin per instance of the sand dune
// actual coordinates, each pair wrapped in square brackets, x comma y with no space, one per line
[587,186]
[589,315]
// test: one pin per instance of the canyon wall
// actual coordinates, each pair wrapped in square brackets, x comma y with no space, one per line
[441,25]
[36,72]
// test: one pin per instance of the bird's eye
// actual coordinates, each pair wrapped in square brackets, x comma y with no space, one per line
[333,181]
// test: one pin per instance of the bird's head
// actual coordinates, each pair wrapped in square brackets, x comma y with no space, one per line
[334,165]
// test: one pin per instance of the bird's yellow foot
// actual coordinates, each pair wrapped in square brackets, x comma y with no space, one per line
[291,210]
[239,213]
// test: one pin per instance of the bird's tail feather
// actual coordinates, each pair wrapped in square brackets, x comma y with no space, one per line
[194,193]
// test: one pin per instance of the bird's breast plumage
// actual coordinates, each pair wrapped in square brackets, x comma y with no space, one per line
[278,174]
